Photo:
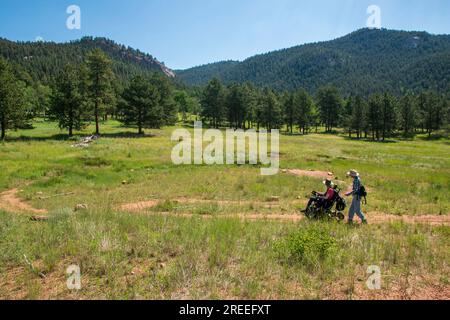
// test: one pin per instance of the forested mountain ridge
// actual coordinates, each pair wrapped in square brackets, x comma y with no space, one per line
[363,62]
[44,60]
[202,74]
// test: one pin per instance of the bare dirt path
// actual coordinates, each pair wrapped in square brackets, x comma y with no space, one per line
[10,202]
[143,205]
[374,218]
[310,173]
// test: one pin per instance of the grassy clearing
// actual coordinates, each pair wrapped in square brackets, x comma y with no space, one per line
[125,255]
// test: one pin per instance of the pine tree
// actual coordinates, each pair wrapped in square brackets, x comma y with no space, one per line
[100,76]
[166,98]
[375,116]
[290,111]
[68,103]
[184,103]
[347,115]
[141,105]
[250,99]
[358,117]
[330,105]
[303,110]
[407,115]
[12,111]
[389,117]
[271,110]
[237,105]
[213,103]
[428,105]
[44,94]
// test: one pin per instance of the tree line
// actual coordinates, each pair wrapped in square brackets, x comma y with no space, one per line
[378,117]
[87,92]
[82,93]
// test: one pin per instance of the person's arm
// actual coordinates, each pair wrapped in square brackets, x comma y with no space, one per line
[355,188]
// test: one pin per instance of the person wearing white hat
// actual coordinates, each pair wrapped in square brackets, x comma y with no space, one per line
[355,208]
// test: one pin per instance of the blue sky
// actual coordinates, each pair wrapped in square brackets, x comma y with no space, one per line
[185,33]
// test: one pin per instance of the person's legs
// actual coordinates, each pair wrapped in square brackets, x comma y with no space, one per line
[357,208]
[351,213]
[309,205]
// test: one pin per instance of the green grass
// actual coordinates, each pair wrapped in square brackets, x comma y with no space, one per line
[214,258]
[126,256]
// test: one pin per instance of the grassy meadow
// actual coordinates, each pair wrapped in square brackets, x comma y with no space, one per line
[148,255]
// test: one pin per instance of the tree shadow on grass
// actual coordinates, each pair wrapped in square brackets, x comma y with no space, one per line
[56,137]
[78,137]
[293,134]
[388,141]
[128,135]
[434,137]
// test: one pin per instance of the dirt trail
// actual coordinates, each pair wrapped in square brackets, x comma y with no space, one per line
[143,205]
[10,202]
[310,173]
[374,218]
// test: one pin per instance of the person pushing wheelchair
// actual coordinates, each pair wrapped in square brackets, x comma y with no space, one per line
[355,208]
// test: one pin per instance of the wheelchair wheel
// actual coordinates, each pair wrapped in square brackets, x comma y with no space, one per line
[310,213]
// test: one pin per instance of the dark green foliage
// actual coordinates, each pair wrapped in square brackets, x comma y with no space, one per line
[43,61]
[309,245]
[271,116]
[213,103]
[362,63]
[298,111]
[141,105]
[165,98]
[68,102]
[374,115]
[432,111]
[186,104]
[203,74]
[12,102]
[181,98]
[355,119]
[99,87]
[407,115]
[330,105]
[389,116]
[381,116]
[304,115]
[240,105]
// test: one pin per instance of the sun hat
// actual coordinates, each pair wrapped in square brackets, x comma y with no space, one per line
[353,173]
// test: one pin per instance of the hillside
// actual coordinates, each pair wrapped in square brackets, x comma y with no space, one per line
[43,60]
[361,62]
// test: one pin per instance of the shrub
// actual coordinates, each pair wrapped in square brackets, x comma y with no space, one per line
[308,246]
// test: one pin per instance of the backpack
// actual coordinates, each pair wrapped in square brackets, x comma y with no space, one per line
[362,193]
